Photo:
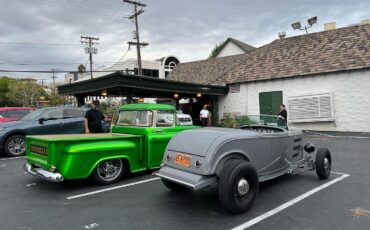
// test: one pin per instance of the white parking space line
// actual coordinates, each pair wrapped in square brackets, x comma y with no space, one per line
[289,203]
[10,158]
[90,226]
[112,188]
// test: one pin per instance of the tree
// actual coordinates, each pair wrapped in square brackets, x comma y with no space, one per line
[54,98]
[25,93]
[5,98]
[217,49]
[81,70]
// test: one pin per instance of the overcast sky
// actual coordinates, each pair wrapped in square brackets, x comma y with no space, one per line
[188,29]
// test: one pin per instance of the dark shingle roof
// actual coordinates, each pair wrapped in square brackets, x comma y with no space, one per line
[210,71]
[336,50]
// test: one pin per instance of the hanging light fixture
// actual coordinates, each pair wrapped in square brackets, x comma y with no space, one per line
[199,95]
[176,96]
[104,93]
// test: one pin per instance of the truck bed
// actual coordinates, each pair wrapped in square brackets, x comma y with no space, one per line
[80,137]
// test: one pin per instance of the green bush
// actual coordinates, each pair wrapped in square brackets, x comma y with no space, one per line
[228,121]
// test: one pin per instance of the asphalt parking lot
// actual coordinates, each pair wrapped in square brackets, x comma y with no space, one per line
[142,202]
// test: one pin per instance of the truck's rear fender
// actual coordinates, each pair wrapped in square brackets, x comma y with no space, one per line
[79,160]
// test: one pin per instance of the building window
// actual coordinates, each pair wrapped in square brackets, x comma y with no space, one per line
[148,72]
[311,108]
[235,88]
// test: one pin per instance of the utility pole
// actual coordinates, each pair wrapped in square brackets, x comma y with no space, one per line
[90,50]
[136,35]
[42,81]
[53,77]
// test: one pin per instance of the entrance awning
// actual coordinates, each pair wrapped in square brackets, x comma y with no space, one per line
[119,84]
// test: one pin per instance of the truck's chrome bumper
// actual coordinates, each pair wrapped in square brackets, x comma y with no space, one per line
[42,173]
[194,181]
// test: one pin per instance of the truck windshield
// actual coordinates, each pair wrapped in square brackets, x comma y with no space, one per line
[142,118]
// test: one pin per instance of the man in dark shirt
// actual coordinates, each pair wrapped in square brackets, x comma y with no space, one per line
[93,119]
[283,113]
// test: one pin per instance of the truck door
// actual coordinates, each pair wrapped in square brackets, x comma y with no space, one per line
[161,135]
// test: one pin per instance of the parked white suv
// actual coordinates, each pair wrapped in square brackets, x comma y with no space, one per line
[184,119]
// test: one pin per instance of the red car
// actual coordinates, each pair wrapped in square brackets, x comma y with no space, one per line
[13,113]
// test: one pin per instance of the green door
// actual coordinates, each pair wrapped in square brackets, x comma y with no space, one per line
[270,102]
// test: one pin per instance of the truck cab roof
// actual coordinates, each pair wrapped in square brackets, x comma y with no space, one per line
[146,106]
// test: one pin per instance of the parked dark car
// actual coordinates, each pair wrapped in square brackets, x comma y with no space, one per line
[8,114]
[53,120]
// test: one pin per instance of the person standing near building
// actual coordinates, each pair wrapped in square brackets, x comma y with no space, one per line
[283,113]
[93,119]
[204,115]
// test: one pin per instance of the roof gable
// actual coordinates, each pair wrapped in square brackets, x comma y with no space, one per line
[241,45]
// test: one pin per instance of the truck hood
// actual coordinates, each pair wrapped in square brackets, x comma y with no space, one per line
[200,141]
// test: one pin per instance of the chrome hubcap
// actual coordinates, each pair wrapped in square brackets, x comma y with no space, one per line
[110,169]
[326,165]
[17,146]
[243,187]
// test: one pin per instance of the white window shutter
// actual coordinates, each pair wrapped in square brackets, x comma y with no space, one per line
[311,108]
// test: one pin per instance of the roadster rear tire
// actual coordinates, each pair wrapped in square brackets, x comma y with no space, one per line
[173,186]
[323,163]
[238,186]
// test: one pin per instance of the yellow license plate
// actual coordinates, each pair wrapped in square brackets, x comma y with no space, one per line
[39,150]
[182,159]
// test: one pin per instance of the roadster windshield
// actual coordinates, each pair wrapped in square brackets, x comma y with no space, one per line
[269,120]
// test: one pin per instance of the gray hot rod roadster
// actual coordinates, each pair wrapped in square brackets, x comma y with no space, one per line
[261,149]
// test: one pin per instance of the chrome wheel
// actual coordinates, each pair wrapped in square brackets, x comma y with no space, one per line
[243,187]
[109,170]
[326,165]
[17,146]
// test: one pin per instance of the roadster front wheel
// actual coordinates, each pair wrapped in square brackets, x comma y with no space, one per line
[323,163]
[238,186]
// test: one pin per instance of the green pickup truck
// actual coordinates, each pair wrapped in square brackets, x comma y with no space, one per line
[139,136]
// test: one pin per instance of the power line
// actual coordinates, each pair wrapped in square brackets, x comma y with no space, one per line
[58,71]
[53,44]
[80,7]
[51,63]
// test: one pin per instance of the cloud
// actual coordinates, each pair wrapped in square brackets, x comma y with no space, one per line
[187,29]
